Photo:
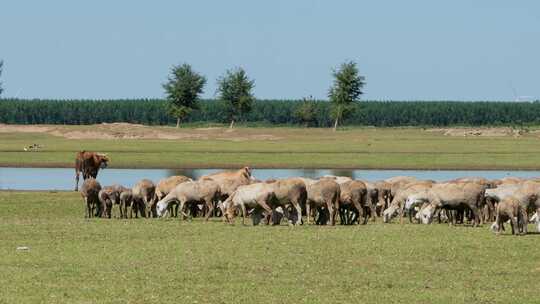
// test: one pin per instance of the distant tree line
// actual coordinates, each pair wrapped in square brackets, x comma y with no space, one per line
[306,112]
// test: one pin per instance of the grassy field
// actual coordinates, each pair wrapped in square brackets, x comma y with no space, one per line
[386,148]
[75,260]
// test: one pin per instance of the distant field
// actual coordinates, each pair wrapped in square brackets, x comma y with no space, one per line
[74,260]
[136,146]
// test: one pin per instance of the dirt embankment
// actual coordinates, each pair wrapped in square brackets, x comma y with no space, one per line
[484,132]
[134,131]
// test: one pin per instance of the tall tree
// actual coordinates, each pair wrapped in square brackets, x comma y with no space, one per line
[235,88]
[345,90]
[1,67]
[183,89]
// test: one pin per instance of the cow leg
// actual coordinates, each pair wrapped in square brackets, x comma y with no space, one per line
[87,207]
[76,180]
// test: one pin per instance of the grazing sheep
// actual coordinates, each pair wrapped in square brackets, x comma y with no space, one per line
[322,193]
[248,196]
[510,209]
[204,191]
[353,197]
[165,186]
[89,191]
[126,201]
[289,191]
[143,198]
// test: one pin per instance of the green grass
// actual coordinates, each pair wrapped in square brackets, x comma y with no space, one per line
[386,148]
[76,260]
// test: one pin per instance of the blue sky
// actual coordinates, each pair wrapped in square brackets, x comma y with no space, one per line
[408,50]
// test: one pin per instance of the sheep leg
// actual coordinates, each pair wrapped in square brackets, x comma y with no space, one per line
[373,212]
[308,212]
[299,211]
[522,217]
[331,213]
[210,211]
[244,214]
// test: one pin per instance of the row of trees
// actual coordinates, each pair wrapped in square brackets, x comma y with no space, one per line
[307,112]
[184,87]
[183,90]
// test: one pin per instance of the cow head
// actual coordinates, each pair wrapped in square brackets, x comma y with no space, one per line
[101,160]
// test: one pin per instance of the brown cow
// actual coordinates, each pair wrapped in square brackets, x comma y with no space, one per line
[89,163]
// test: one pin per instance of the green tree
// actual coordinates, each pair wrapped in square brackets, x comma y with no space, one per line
[306,111]
[235,89]
[1,67]
[182,90]
[345,90]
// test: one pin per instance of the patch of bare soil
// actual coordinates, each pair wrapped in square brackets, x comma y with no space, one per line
[23,128]
[134,131]
[482,132]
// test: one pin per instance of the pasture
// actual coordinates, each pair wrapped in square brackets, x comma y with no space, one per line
[76,260]
[137,146]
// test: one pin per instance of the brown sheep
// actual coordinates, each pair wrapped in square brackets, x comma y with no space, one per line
[89,192]
[353,196]
[143,197]
[510,209]
[322,193]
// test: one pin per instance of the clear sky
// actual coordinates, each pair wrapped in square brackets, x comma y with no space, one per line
[408,50]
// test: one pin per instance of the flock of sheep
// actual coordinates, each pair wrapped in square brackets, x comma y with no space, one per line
[232,193]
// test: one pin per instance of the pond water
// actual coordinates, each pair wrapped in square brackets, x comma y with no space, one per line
[64,178]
